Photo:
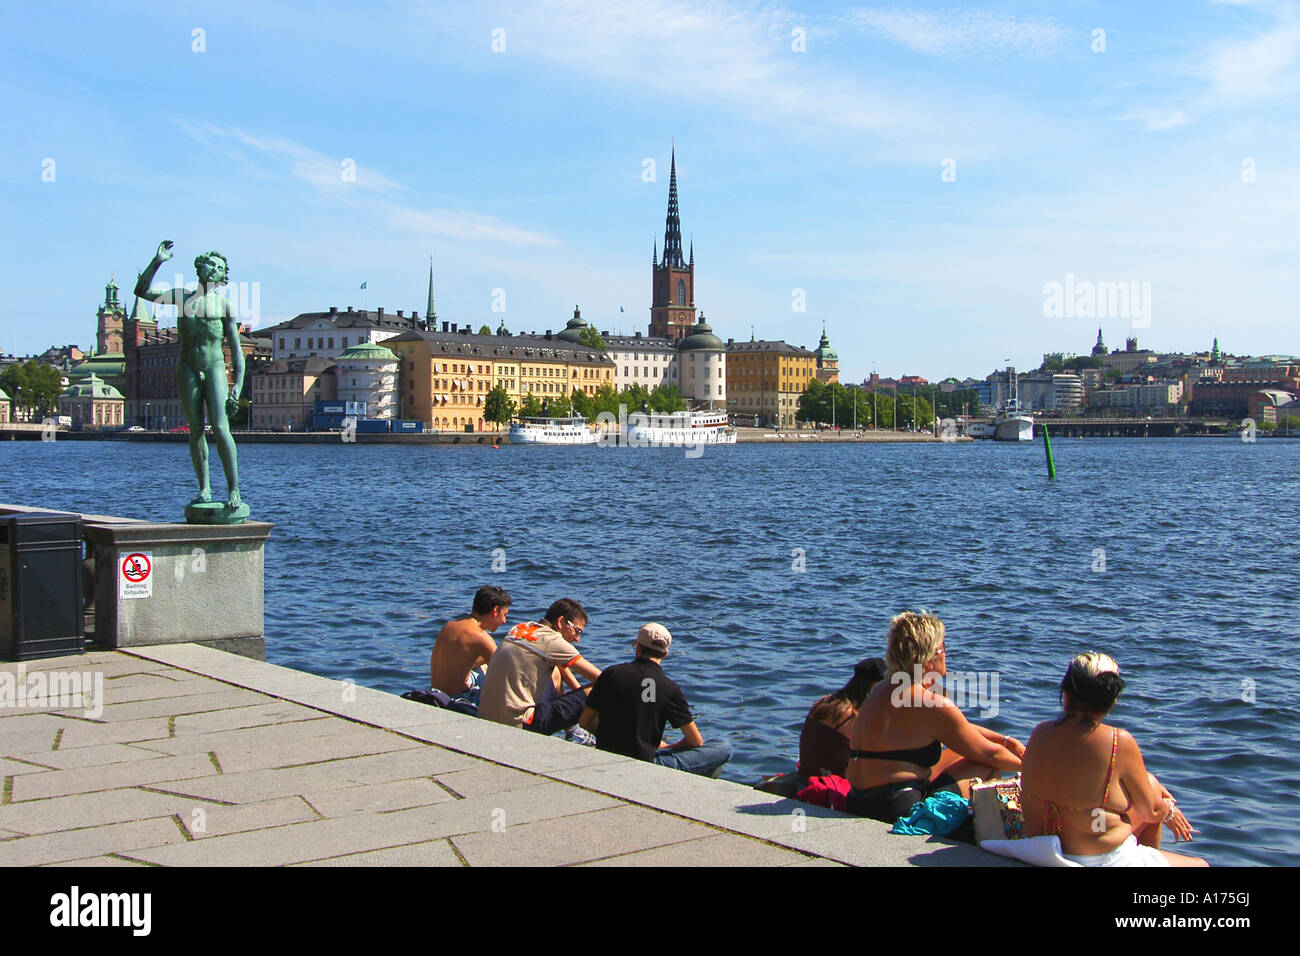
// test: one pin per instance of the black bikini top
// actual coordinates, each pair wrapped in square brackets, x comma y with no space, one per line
[926,756]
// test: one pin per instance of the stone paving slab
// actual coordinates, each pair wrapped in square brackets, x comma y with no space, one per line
[590,836]
[83,733]
[252,738]
[239,718]
[78,757]
[432,853]
[204,822]
[222,698]
[104,861]
[90,841]
[61,783]
[296,843]
[205,758]
[255,785]
[721,849]
[378,797]
[94,810]
[359,742]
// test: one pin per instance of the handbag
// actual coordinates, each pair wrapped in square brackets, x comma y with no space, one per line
[999,814]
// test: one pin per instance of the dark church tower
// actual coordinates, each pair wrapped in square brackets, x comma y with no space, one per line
[672,309]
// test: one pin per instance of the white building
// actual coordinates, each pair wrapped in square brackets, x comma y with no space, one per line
[330,334]
[703,366]
[641,360]
[368,373]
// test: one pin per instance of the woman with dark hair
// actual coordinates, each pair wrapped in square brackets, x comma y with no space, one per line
[1086,782]
[824,740]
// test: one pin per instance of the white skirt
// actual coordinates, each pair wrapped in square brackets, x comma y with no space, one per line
[1128,853]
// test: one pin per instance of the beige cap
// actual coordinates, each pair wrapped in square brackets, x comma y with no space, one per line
[655,637]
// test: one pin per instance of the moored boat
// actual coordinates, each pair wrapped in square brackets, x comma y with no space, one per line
[551,431]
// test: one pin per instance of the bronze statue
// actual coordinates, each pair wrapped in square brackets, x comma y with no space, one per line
[204,318]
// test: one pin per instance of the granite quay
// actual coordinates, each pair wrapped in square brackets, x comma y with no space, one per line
[204,758]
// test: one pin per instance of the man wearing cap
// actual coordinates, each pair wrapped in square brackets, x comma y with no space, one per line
[630,703]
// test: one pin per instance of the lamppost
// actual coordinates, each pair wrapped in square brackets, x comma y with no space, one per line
[146,416]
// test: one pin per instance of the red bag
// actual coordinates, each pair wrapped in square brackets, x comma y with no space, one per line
[829,792]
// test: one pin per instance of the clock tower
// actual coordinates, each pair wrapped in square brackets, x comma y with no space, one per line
[672,307]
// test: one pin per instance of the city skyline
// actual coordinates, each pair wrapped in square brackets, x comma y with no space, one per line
[923,205]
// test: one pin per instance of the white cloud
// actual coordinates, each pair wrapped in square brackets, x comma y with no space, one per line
[1259,66]
[325,175]
[960,32]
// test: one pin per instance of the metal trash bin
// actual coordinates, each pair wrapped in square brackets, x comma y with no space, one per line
[40,586]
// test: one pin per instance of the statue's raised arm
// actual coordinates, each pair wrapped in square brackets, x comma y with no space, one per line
[145,281]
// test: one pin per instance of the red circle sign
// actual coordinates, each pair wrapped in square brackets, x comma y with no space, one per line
[136,567]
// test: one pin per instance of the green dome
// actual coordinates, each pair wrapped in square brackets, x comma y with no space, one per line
[824,350]
[573,331]
[106,364]
[367,352]
[92,387]
[702,338]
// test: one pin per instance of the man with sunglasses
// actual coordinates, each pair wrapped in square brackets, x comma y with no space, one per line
[523,686]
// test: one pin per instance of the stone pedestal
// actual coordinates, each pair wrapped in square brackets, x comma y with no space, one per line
[177,583]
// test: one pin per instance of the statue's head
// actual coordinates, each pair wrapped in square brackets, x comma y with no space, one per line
[212,268]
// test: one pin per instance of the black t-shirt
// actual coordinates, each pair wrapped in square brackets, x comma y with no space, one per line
[634,700]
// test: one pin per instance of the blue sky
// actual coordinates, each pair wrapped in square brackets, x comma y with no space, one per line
[1171,157]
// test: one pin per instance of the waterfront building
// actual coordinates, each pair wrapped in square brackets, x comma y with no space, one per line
[284,392]
[329,334]
[152,399]
[368,373]
[828,360]
[1156,399]
[1067,392]
[445,376]
[703,360]
[5,405]
[765,380]
[672,308]
[92,403]
[1229,396]
[1264,406]
[642,360]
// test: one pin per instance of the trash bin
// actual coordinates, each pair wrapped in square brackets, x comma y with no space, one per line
[40,586]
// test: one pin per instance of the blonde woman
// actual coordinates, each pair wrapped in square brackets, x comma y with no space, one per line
[909,740]
[1086,782]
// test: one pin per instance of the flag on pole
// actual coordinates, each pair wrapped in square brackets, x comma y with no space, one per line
[363,285]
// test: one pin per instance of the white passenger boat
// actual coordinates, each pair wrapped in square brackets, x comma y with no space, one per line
[551,431]
[1013,423]
[679,428]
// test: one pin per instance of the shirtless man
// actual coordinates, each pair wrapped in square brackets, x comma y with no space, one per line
[464,646]
[205,317]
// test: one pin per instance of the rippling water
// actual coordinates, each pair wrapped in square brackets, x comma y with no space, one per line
[376,546]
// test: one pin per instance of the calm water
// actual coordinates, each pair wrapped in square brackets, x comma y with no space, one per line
[376,546]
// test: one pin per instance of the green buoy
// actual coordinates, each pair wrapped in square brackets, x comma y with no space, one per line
[1047,446]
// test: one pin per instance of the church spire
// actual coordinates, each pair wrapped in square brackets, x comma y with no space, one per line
[673,224]
[429,314]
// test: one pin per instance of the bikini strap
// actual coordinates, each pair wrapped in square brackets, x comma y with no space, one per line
[845,721]
[1114,749]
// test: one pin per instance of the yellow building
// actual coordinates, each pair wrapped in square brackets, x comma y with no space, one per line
[444,377]
[765,380]
[92,404]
